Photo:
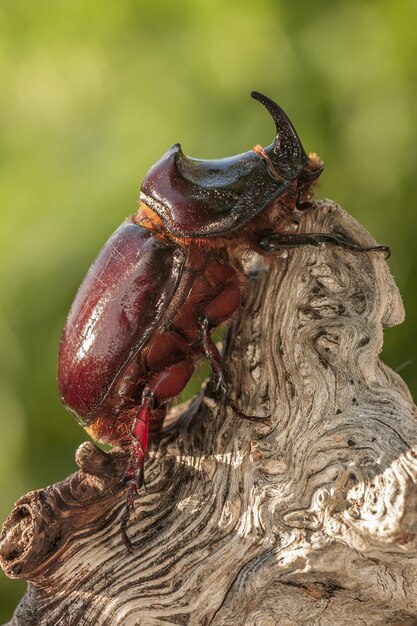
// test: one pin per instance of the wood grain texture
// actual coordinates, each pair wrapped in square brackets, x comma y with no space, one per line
[307,519]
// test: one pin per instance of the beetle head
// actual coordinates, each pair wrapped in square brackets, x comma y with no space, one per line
[211,198]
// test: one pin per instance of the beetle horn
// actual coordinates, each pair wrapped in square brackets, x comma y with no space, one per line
[286,153]
[210,198]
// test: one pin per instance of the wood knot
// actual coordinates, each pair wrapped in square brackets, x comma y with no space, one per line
[17,535]
[25,535]
[95,462]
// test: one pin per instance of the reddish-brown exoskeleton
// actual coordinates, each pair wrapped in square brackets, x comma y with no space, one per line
[170,274]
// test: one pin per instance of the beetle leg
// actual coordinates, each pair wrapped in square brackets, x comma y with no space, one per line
[212,354]
[162,385]
[134,473]
[273,242]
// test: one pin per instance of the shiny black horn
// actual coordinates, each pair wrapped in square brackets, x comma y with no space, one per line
[286,153]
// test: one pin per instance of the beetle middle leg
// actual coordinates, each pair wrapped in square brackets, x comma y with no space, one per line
[212,354]
[273,242]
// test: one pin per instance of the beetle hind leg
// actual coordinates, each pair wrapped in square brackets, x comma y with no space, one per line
[165,383]
[212,354]
[134,473]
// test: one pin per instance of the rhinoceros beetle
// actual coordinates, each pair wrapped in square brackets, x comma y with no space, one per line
[168,276]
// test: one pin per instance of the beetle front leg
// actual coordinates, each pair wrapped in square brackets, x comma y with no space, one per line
[212,354]
[274,242]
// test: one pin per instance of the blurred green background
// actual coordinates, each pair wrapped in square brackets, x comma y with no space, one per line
[92,93]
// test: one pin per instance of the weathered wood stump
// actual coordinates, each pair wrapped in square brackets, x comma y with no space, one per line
[309,518]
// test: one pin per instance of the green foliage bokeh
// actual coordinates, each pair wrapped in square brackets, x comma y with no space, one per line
[92,93]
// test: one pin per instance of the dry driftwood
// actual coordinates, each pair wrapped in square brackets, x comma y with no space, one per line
[310,518]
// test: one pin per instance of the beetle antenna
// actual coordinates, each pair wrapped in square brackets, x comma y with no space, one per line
[286,152]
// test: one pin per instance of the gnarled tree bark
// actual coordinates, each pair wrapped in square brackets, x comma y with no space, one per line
[309,518]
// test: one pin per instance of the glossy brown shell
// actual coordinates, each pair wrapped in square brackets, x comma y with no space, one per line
[120,302]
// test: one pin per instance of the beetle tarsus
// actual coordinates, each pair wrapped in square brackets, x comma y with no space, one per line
[274,242]
[130,503]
